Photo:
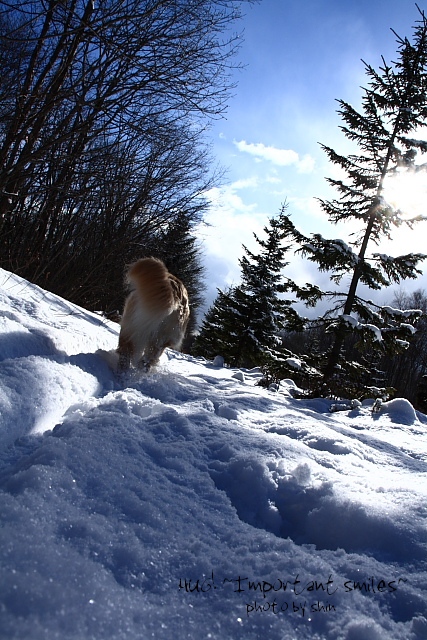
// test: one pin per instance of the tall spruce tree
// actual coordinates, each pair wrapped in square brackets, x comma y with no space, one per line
[243,323]
[394,107]
[218,332]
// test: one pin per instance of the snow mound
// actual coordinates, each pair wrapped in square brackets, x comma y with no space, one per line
[400,411]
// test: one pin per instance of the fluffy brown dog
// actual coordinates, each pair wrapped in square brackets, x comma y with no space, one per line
[155,315]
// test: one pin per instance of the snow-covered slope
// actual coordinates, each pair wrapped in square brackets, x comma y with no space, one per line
[191,503]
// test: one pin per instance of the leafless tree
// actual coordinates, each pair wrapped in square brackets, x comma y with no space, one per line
[103,109]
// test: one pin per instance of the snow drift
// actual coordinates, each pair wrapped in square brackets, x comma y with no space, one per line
[191,503]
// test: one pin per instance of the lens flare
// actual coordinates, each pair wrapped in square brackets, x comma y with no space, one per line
[406,191]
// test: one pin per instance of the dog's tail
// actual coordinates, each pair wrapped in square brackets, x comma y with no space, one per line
[151,280]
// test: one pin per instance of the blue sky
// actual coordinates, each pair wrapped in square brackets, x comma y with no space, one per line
[299,58]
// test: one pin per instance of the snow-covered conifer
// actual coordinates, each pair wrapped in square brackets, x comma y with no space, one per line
[394,108]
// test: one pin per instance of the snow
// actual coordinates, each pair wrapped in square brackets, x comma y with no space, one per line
[383,257]
[350,320]
[193,503]
[406,313]
[343,247]
[295,363]
[374,330]
[338,244]
[409,327]
[371,328]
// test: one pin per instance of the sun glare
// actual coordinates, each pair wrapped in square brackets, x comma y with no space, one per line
[407,192]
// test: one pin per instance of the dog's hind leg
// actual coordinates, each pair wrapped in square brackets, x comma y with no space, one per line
[125,351]
[151,356]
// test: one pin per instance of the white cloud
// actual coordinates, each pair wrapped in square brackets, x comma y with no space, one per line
[228,201]
[244,183]
[306,164]
[281,157]
[309,213]
[278,157]
[230,223]
[271,179]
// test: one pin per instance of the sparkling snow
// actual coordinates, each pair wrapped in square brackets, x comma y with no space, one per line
[192,503]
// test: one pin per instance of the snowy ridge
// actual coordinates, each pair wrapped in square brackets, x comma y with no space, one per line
[192,503]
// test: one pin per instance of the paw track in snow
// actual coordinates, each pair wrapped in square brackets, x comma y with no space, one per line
[226,411]
[309,513]
[325,444]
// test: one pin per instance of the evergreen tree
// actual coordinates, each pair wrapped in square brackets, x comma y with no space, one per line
[218,332]
[394,106]
[405,370]
[244,322]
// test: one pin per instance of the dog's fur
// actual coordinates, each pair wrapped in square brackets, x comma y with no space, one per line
[155,315]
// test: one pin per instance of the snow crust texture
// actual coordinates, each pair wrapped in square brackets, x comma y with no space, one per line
[192,503]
